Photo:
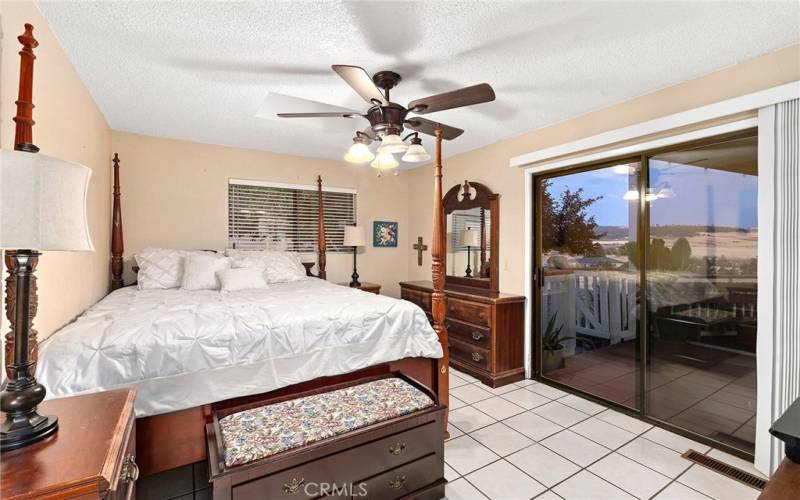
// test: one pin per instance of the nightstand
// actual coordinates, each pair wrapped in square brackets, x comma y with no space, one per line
[91,456]
[367,287]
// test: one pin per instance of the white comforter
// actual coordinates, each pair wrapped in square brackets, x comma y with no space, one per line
[182,349]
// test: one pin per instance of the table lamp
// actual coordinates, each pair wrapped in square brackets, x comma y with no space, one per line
[469,238]
[355,236]
[42,207]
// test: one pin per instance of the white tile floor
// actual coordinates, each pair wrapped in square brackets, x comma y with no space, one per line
[528,440]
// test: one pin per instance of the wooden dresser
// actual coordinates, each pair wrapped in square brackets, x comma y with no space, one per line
[486,331]
[91,456]
[367,287]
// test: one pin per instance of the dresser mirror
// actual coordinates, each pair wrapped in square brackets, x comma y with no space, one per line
[471,218]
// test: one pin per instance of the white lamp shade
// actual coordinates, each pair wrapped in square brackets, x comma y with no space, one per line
[359,153]
[43,203]
[384,161]
[354,236]
[416,153]
[392,143]
[469,238]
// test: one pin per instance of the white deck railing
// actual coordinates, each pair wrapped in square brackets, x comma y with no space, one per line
[599,304]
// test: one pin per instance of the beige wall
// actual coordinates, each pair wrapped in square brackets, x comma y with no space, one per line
[70,126]
[489,165]
[175,195]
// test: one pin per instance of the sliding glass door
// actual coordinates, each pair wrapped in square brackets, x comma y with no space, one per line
[666,329]
[588,280]
[701,290]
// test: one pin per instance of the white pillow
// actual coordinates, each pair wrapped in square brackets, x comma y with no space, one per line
[160,267]
[200,271]
[244,278]
[279,267]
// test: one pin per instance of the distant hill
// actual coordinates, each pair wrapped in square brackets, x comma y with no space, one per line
[667,231]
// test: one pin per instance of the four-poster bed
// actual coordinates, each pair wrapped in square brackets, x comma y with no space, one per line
[176,438]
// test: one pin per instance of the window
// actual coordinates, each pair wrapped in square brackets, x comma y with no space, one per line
[264,215]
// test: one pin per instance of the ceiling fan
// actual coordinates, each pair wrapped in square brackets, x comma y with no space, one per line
[388,120]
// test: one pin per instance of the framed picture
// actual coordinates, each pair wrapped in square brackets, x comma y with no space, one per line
[384,234]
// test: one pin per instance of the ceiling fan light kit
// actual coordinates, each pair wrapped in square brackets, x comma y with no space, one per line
[359,153]
[392,143]
[384,161]
[416,152]
[388,120]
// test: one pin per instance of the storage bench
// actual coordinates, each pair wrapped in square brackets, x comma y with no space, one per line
[379,437]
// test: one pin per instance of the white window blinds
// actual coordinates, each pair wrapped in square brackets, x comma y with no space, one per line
[461,220]
[275,216]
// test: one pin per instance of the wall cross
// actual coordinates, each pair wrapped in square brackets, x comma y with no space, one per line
[419,247]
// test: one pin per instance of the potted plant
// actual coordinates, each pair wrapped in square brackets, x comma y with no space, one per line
[553,349]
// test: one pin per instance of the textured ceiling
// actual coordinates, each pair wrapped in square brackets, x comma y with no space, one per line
[216,72]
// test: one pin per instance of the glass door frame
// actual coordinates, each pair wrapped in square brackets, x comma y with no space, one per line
[643,238]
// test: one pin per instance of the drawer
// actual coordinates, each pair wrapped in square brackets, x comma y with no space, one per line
[343,468]
[470,354]
[123,482]
[421,299]
[403,480]
[474,334]
[471,312]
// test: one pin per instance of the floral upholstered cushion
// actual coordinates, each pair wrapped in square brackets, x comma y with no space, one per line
[260,432]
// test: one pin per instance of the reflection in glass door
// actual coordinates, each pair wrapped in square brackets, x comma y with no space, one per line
[679,350]
[701,290]
[589,281]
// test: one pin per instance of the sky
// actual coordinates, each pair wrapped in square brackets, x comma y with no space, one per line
[702,196]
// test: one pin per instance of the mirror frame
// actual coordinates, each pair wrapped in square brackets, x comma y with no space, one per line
[483,198]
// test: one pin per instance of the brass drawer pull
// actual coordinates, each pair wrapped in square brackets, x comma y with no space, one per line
[293,486]
[129,474]
[397,449]
[398,482]
[476,335]
[476,356]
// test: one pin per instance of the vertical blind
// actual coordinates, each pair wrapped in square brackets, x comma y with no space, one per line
[266,216]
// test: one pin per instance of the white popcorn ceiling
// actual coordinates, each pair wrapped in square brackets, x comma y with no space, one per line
[217,72]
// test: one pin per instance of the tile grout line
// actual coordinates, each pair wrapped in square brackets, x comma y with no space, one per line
[535,442]
[581,468]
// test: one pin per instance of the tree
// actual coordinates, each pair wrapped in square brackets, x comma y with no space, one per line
[566,225]
[681,254]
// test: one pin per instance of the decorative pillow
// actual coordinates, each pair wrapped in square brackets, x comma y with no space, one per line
[279,267]
[160,267]
[243,278]
[200,271]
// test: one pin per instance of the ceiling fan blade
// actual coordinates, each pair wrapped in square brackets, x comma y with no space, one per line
[357,77]
[320,115]
[429,127]
[454,99]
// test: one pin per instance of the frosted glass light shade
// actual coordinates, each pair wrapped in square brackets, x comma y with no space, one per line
[43,203]
[392,143]
[359,153]
[416,153]
[354,236]
[469,238]
[384,161]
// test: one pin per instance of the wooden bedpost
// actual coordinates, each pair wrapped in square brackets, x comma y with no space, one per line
[117,244]
[437,271]
[321,245]
[23,141]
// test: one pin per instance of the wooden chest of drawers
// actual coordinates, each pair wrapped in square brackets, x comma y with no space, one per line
[398,458]
[486,332]
[91,456]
